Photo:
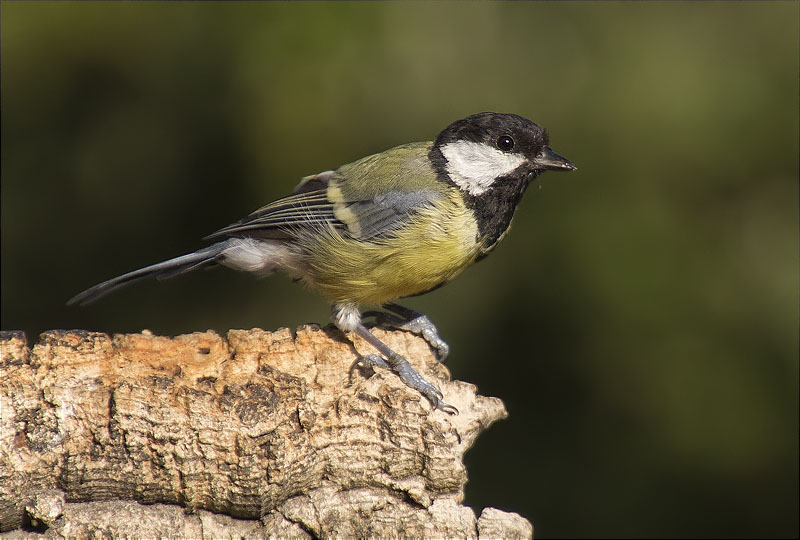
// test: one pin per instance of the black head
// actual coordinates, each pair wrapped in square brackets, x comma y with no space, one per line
[485,147]
[491,158]
[523,136]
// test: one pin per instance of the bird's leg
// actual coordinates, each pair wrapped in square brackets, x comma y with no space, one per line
[414,322]
[347,318]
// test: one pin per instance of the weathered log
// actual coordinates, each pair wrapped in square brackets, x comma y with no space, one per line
[259,434]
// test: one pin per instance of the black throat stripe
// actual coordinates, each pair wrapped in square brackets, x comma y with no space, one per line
[494,208]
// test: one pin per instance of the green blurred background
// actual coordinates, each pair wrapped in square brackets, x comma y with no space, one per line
[641,320]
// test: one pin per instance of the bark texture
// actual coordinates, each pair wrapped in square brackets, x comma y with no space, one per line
[255,435]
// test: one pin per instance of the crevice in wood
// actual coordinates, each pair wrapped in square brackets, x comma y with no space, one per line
[256,434]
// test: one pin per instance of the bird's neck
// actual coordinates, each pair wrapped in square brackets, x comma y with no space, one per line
[494,209]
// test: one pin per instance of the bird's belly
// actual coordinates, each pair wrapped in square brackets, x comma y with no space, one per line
[420,256]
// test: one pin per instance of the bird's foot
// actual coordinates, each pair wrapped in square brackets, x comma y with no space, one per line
[408,375]
[414,322]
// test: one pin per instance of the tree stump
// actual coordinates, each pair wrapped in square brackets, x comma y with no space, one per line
[255,435]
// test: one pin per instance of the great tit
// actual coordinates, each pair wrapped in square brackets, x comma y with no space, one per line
[388,226]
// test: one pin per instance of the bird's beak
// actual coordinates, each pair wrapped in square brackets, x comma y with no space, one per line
[549,160]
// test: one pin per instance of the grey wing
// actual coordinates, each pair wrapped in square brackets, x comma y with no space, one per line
[277,219]
[310,206]
[307,205]
[383,214]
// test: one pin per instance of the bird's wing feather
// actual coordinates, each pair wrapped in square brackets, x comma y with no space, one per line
[350,198]
[377,194]
[384,213]
[277,219]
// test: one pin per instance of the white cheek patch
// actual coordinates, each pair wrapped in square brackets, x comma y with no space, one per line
[474,166]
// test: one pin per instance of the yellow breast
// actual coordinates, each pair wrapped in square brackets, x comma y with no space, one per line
[431,248]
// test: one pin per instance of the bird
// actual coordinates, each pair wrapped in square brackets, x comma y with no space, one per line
[389,226]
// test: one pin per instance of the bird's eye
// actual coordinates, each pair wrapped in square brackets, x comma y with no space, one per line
[505,143]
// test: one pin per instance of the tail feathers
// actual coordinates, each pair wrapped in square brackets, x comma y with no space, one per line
[163,270]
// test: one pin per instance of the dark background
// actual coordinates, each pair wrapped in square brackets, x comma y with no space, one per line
[640,321]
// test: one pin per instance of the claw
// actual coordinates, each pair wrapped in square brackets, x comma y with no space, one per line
[367,362]
[438,403]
